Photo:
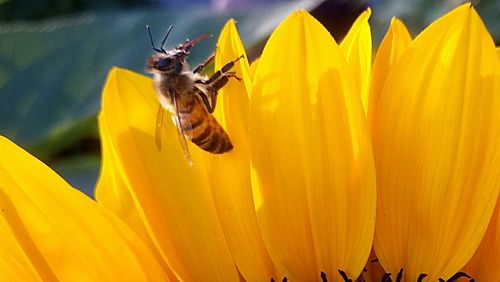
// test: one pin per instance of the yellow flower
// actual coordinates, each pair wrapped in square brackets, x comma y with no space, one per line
[301,171]
[435,127]
[296,197]
[52,232]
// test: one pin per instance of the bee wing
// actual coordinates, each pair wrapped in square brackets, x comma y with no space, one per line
[180,131]
[159,124]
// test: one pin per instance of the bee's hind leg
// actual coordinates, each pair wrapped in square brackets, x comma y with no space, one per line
[215,82]
[210,106]
[214,87]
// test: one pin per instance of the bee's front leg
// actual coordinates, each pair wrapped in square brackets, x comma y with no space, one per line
[200,67]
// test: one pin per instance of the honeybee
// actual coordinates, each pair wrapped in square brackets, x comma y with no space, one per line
[189,96]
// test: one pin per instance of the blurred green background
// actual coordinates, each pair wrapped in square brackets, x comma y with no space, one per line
[55,54]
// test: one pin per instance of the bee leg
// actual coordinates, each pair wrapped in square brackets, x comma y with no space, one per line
[232,74]
[213,90]
[213,99]
[210,107]
[200,67]
[221,73]
[216,82]
[220,82]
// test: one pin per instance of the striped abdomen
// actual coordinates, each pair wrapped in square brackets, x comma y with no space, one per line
[201,127]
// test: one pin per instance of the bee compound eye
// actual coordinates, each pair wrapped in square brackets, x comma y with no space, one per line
[163,63]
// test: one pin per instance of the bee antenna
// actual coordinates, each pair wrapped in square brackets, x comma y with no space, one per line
[152,43]
[165,39]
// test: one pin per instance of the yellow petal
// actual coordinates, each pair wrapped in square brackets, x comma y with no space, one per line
[395,42]
[50,231]
[173,201]
[484,264]
[357,48]
[113,193]
[312,167]
[437,154]
[253,67]
[229,173]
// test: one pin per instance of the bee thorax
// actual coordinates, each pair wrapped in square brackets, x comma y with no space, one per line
[168,86]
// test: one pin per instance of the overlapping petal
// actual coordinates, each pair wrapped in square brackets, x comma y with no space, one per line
[229,174]
[172,199]
[113,193]
[393,45]
[390,50]
[484,264]
[312,167]
[436,132]
[357,48]
[50,231]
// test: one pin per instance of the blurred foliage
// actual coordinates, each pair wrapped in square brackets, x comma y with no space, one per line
[42,9]
[52,69]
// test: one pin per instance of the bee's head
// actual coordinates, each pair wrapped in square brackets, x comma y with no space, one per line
[171,61]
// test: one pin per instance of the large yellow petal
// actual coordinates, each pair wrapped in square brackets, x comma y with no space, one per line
[357,48]
[437,154]
[484,264]
[171,198]
[312,167]
[113,193]
[50,231]
[395,42]
[229,173]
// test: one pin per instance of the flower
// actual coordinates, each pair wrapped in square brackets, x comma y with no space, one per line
[50,231]
[297,197]
[435,135]
[202,219]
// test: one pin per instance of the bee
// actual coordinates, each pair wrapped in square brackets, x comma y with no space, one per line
[189,96]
